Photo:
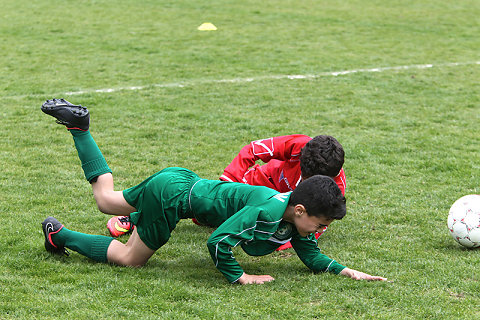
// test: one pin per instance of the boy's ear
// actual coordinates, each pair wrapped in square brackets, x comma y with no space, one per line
[299,209]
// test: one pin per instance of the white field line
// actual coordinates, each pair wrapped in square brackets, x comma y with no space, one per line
[271,77]
[259,78]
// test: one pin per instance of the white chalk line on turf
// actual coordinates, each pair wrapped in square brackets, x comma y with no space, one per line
[270,77]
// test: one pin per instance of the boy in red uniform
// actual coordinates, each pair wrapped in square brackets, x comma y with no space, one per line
[288,160]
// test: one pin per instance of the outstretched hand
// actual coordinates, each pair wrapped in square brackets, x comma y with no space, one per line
[250,278]
[358,275]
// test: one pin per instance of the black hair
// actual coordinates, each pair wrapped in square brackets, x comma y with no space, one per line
[320,196]
[322,155]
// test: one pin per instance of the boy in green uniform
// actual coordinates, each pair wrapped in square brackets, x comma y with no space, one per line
[258,219]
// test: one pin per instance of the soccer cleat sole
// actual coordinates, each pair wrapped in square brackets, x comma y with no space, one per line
[70,115]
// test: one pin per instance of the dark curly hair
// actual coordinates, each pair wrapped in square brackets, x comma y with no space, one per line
[322,155]
[320,196]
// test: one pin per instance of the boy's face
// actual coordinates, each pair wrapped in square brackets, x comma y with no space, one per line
[306,224]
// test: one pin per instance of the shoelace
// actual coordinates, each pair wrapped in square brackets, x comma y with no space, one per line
[65,252]
[124,219]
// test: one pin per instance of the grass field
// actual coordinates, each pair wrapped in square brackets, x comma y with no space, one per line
[182,97]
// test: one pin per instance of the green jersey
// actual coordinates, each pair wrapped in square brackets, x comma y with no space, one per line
[252,217]
[249,216]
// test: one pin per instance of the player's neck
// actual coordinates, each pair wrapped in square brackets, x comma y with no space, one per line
[289,214]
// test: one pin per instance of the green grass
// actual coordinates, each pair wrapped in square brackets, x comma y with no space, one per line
[411,141]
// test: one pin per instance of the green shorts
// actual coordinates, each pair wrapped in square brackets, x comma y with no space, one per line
[161,201]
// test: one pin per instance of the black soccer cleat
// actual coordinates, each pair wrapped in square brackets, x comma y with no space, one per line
[51,226]
[70,115]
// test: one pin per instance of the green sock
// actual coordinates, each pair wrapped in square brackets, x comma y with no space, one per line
[92,246]
[93,162]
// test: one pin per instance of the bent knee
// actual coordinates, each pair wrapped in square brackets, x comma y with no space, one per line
[112,202]
[130,261]
[105,202]
[103,206]
[130,258]
[101,198]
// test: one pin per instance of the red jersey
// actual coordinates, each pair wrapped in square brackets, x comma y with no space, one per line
[281,170]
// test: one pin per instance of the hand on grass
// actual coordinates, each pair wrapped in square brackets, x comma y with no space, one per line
[250,278]
[358,275]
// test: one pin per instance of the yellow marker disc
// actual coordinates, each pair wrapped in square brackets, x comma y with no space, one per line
[207,26]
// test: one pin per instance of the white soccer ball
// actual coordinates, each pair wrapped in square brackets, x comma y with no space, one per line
[464,221]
